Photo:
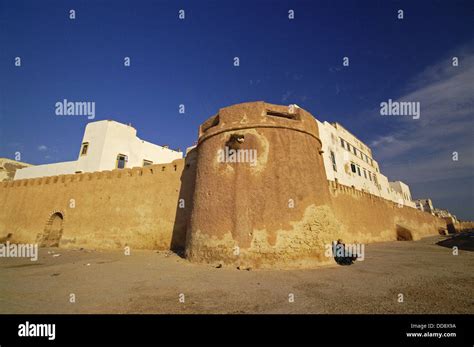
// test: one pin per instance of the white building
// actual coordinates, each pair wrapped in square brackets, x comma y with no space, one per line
[425,205]
[349,161]
[106,145]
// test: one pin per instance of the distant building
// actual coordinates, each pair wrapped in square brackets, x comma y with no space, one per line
[445,214]
[8,168]
[349,161]
[106,145]
[402,189]
[424,205]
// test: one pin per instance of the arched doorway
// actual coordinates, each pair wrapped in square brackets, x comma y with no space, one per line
[53,231]
[404,234]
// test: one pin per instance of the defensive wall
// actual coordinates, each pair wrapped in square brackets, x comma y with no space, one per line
[138,207]
[281,212]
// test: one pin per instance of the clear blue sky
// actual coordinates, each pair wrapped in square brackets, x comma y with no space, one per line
[282,61]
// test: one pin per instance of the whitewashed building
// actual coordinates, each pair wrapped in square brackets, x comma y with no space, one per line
[350,162]
[425,205]
[106,145]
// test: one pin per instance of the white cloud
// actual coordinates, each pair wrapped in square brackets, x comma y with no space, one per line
[42,148]
[446,94]
[420,151]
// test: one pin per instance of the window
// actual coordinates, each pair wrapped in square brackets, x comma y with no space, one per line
[333,160]
[147,162]
[353,168]
[365,174]
[355,150]
[121,161]
[282,115]
[342,143]
[358,171]
[370,176]
[85,147]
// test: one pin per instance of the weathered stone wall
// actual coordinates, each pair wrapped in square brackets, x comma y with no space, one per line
[243,216]
[365,218]
[279,213]
[8,168]
[463,226]
[248,215]
[131,207]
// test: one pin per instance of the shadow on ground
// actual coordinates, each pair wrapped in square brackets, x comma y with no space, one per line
[464,241]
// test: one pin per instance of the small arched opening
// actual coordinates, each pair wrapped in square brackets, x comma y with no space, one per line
[53,231]
[403,234]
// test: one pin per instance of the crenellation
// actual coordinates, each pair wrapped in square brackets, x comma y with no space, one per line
[137,171]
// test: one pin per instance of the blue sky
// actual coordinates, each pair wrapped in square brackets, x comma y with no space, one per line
[282,61]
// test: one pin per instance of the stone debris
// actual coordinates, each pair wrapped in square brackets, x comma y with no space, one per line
[240,267]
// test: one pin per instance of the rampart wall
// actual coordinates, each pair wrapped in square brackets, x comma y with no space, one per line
[281,212]
[136,207]
[365,218]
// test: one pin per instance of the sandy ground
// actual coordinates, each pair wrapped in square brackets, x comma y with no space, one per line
[430,277]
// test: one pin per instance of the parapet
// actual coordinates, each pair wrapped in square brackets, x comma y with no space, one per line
[259,114]
[176,166]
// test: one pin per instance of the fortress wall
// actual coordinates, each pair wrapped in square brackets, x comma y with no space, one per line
[250,216]
[365,218]
[242,216]
[136,207]
[279,212]
[463,226]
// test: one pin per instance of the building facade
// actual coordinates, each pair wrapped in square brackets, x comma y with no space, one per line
[350,162]
[425,205]
[106,145]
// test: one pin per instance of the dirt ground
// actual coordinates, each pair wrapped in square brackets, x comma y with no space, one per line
[430,277]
